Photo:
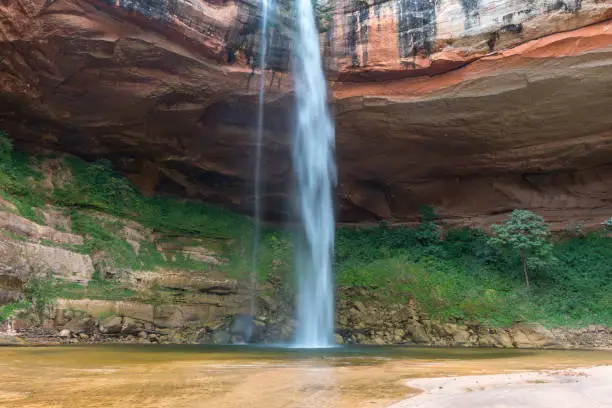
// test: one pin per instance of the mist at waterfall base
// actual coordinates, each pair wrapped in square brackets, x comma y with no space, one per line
[313,161]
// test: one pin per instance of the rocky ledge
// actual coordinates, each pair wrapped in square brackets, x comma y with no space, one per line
[373,320]
[369,321]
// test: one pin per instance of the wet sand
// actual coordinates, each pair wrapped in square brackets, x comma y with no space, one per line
[158,376]
[574,388]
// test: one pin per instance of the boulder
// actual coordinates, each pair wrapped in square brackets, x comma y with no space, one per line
[131,326]
[526,335]
[65,333]
[86,325]
[503,339]
[461,335]
[111,325]
[416,333]
[379,341]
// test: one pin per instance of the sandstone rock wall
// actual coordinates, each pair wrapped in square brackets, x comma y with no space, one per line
[398,38]
[476,107]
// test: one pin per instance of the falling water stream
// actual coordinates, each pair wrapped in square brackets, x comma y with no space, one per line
[315,171]
[263,50]
[313,160]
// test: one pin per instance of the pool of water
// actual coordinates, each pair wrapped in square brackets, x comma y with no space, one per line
[247,376]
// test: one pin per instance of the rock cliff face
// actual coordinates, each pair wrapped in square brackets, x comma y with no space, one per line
[474,106]
[197,304]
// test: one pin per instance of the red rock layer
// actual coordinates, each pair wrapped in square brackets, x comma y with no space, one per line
[521,127]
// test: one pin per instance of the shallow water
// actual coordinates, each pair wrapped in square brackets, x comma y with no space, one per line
[239,376]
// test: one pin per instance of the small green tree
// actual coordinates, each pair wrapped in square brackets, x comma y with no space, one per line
[526,233]
[607,225]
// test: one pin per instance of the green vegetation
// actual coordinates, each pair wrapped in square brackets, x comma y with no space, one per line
[96,289]
[461,276]
[607,225]
[8,310]
[40,294]
[95,186]
[526,233]
[17,179]
[457,275]
[90,192]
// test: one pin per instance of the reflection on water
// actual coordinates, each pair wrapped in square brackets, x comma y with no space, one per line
[253,377]
[316,388]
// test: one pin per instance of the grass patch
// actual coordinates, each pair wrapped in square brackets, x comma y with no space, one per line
[96,289]
[7,310]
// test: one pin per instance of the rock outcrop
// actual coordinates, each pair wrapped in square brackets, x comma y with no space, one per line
[476,107]
[24,260]
[375,320]
[188,302]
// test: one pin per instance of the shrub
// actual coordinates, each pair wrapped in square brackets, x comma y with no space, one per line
[40,294]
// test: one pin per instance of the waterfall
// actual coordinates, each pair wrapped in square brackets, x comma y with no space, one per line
[257,211]
[313,160]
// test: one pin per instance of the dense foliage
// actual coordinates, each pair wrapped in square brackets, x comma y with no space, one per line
[461,276]
[455,275]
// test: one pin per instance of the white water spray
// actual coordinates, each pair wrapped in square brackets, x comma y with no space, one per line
[263,50]
[313,158]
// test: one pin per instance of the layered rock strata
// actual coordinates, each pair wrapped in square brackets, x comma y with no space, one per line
[475,107]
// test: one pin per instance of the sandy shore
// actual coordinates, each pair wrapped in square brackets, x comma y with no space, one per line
[117,376]
[572,388]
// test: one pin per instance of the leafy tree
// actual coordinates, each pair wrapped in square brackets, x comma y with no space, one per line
[607,225]
[527,233]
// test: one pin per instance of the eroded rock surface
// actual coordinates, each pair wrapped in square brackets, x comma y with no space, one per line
[476,107]
[21,261]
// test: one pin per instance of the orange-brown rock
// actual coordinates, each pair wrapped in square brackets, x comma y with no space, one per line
[474,106]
